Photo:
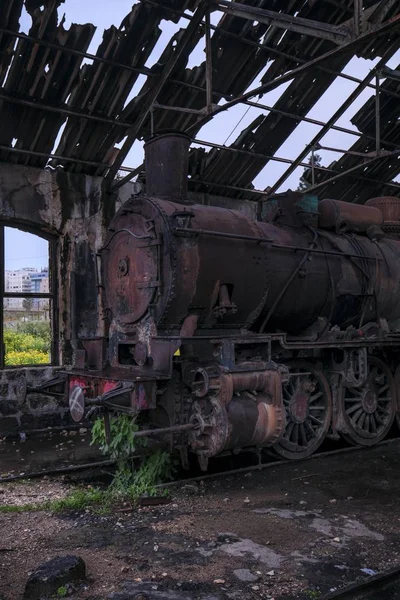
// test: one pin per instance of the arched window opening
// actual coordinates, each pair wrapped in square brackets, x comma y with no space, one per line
[27,305]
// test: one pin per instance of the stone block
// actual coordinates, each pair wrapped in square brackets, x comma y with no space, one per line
[53,574]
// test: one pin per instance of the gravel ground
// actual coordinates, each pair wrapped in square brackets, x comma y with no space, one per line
[295,531]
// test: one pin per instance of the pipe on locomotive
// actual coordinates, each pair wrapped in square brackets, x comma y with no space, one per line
[166,166]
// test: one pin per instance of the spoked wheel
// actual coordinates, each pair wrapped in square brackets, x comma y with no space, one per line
[308,404]
[368,412]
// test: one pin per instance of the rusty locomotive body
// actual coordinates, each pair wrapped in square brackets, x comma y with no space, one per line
[226,333]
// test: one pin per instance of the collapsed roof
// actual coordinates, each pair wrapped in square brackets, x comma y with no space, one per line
[61,107]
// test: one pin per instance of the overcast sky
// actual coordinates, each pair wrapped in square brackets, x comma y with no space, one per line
[27,250]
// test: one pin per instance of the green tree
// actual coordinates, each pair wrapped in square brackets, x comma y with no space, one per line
[306,178]
[27,303]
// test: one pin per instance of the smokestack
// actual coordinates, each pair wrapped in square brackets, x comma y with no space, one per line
[166,163]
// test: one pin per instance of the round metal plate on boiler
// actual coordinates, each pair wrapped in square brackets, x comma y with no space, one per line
[77,403]
[368,412]
[308,404]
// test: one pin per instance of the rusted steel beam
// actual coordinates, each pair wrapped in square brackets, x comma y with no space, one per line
[66,49]
[91,117]
[61,110]
[124,124]
[65,159]
[149,73]
[191,111]
[157,87]
[341,110]
[377,115]
[349,171]
[358,16]
[312,64]
[303,164]
[271,85]
[379,13]
[333,33]
[209,78]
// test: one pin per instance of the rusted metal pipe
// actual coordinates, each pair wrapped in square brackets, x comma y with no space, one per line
[167,163]
[173,429]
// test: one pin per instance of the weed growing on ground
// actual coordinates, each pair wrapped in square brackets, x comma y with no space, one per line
[13,508]
[78,500]
[62,592]
[312,594]
[128,484]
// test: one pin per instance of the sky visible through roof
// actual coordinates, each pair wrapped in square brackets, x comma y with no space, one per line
[24,249]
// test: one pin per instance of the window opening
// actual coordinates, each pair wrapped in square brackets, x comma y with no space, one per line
[27,299]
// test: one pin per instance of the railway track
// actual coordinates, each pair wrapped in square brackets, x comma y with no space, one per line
[384,586]
[206,476]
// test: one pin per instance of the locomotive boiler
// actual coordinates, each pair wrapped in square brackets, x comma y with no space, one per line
[226,333]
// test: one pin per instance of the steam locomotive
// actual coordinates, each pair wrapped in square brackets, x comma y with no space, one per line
[227,333]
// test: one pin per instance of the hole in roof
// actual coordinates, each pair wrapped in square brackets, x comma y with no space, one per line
[25,21]
[58,146]
[11,63]
[121,143]
[102,18]
[197,56]
[135,156]
[135,90]
[168,30]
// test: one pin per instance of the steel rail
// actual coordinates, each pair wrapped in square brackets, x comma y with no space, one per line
[361,591]
[220,474]
[270,465]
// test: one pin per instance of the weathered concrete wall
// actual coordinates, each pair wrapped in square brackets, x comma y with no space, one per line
[74,210]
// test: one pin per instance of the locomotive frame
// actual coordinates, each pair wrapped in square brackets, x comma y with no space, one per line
[208,364]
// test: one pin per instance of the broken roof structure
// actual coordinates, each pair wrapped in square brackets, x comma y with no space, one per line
[63,107]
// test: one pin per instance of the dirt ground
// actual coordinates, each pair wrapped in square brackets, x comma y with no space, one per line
[296,531]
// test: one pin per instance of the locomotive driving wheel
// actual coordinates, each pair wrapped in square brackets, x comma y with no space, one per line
[308,404]
[368,412]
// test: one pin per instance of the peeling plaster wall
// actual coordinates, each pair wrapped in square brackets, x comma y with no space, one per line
[71,209]
[74,210]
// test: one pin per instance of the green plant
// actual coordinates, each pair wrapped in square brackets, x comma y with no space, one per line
[62,592]
[127,482]
[28,344]
[32,357]
[122,443]
[12,508]
[78,500]
[312,594]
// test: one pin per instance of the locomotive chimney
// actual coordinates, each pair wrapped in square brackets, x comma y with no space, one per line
[166,163]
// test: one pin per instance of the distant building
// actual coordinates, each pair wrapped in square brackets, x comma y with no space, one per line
[40,285]
[18,282]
